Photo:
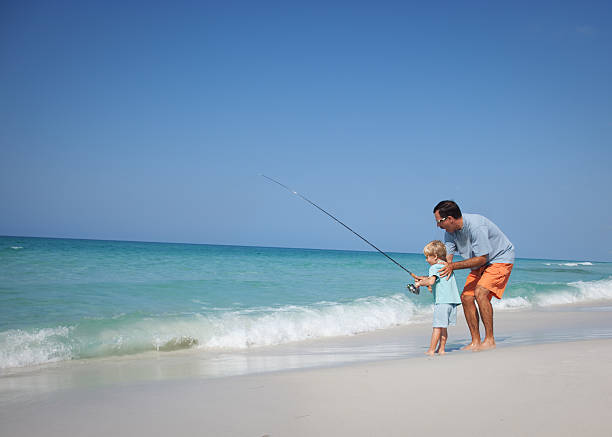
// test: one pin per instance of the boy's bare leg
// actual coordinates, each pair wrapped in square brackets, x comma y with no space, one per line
[443,338]
[486,313]
[435,338]
[471,317]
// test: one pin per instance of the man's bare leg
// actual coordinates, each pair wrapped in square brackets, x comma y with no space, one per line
[486,313]
[471,317]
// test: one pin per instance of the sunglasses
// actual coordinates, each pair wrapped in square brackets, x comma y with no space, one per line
[441,220]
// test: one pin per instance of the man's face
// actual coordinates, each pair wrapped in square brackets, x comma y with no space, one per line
[446,223]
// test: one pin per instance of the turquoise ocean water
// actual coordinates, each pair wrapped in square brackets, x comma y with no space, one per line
[73,299]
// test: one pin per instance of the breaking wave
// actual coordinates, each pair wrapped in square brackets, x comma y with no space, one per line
[213,331]
[570,264]
[255,327]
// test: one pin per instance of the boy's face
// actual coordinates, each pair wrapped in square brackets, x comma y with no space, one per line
[431,259]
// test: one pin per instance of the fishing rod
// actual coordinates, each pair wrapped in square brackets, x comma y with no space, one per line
[410,287]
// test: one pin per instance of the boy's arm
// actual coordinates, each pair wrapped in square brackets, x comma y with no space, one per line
[425,281]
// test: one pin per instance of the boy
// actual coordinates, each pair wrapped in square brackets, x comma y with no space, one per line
[445,293]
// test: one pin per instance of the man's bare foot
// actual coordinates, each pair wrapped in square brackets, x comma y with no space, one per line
[430,353]
[486,345]
[442,352]
[471,347]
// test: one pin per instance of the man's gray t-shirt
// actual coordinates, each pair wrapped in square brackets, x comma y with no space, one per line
[480,236]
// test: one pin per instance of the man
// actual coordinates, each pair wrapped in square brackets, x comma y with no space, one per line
[488,252]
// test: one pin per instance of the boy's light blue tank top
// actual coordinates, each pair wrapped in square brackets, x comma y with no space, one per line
[444,289]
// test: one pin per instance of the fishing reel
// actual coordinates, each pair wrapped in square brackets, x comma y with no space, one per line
[412,288]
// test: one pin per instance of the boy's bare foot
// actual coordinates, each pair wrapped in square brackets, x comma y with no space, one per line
[430,353]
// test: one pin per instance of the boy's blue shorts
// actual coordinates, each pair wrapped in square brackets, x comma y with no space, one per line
[445,315]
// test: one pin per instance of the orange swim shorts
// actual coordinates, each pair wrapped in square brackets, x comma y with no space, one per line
[493,277]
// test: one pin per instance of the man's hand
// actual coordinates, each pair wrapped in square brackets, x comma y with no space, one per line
[470,263]
[447,270]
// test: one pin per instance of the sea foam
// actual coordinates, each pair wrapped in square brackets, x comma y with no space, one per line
[511,303]
[578,292]
[243,329]
[20,348]
[571,264]
[293,323]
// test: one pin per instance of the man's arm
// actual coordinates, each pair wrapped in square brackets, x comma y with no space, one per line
[470,263]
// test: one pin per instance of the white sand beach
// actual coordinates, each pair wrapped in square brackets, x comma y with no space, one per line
[560,388]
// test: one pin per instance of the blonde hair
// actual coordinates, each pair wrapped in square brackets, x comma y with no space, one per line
[435,248]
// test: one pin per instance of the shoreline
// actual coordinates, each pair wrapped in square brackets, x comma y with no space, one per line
[513,328]
[545,389]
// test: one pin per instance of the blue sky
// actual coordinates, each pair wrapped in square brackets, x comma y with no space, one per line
[154,120]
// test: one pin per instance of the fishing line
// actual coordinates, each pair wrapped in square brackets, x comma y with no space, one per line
[410,287]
